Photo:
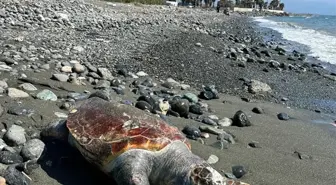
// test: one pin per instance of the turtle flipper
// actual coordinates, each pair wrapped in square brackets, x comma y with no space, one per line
[131,168]
[234,182]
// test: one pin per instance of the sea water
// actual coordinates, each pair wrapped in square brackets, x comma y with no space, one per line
[317,32]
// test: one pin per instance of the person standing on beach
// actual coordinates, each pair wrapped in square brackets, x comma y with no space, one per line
[218,5]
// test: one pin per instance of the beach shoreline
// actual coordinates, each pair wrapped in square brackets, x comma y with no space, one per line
[94,46]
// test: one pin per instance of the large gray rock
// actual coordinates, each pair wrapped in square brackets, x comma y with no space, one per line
[46,95]
[28,87]
[15,136]
[258,87]
[61,77]
[32,149]
[16,93]
[105,73]
[3,84]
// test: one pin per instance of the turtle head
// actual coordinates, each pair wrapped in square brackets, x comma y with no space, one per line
[206,175]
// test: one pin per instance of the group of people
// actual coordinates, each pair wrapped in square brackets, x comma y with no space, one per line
[218,4]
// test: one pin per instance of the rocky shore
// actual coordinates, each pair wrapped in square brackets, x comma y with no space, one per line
[215,73]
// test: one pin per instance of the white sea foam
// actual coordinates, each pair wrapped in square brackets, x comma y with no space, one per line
[322,45]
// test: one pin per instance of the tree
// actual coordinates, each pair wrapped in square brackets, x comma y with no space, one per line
[282,6]
[238,3]
[274,4]
[260,3]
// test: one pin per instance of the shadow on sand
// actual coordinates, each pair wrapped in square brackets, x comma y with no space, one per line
[66,165]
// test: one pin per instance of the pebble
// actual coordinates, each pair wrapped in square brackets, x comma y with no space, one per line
[211,130]
[181,107]
[191,97]
[61,115]
[225,122]
[32,149]
[209,121]
[258,110]
[239,171]
[141,74]
[283,116]
[230,176]
[46,95]
[195,109]
[199,44]
[185,86]
[19,111]
[240,119]
[3,84]
[78,68]
[258,87]
[66,69]
[28,87]
[2,110]
[16,93]
[15,135]
[143,105]
[254,144]
[191,132]
[205,135]
[4,67]
[15,177]
[7,157]
[212,159]
[60,77]
[45,66]
[105,73]
[2,144]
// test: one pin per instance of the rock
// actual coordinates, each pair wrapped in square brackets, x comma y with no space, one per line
[240,119]
[209,121]
[205,135]
[15,177]
[226,136]
[230,176]
[75,48]
[8,61]
[78,68]
[28,87]
[60,77]
[46,95]
[211,130]
[45,66]
[254,144]
[27,167]
[2,110]
[4,67]
[143,106]
[258,87]
[225,122]
[212,159]
[16,93]
[7,157]
[19,111]
[181,107]
[32,149]
[15,136]
[2,144]
[185,86]
[274,64]
[105,73]
[213,117]
[103,84]
[195,109]
[258,110]
[191,132]
[3,84]
[239,171]
[199,44]
[61,115]
[209,92]
[168,85]
[141,74]
[66,69]
[302,156]
[191,97]
[283,116]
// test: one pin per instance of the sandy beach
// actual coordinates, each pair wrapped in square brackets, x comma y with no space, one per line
[124,51]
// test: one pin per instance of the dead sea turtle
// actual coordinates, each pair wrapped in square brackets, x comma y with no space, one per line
[133,146]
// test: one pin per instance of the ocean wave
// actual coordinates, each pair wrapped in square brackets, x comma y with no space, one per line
[322,45]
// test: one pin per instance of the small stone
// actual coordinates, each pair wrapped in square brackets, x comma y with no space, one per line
[16,93]
[141,74]
[66,69]
[78,68]
[4,67]
[15,136]
[213,117]
[225,122]
[19,111]
[45,66]
[191,97]
[191,132]
[185,86]
[258,110]
[258,87]
[75,48]
[239,171]
[211,130]
[195,109]
[61,115]
[2,110]
[103,84]
[2,144]
[181,107]
[302,156]
[254,144]
[28,87]
[143,106]
[212,159]
[7,157]
[230,176]
[240,119]
[60,77]
[46,95]
[198,44]
[283,116]
[105,73]
[205,135]
[32,149]
[3,84]
[15,177]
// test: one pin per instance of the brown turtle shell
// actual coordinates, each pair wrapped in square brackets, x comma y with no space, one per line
[103,130]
